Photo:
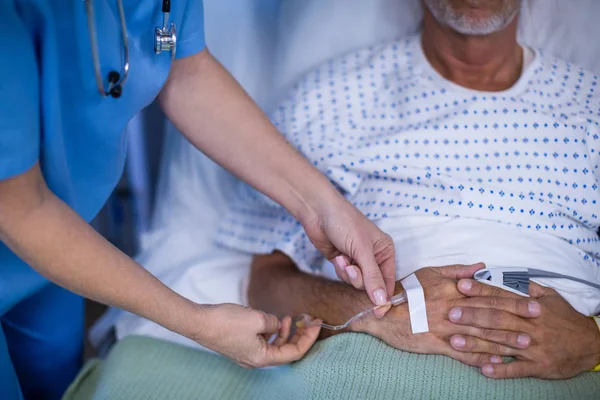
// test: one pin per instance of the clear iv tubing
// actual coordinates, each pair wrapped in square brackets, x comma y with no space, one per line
[304,321]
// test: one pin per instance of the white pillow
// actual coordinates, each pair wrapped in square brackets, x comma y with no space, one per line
[567,29]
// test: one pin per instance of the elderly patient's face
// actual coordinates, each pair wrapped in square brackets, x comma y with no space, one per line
[474,17]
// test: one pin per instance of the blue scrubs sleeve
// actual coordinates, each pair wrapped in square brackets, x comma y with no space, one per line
[190,37]
[19,91]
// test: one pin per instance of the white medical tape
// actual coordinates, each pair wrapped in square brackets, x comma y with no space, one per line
[416,304]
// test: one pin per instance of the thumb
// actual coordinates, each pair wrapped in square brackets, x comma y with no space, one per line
[460,271]
[267,323]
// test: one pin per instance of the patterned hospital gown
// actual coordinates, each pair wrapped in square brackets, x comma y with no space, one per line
[399,140]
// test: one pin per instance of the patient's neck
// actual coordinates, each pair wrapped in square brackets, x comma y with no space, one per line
[488,63]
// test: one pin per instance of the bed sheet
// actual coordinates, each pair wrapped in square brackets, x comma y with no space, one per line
[347,366]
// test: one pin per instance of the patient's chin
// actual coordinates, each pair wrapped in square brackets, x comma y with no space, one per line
[474,18]
[478,23]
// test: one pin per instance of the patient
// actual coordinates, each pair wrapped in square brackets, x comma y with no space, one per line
[464,146]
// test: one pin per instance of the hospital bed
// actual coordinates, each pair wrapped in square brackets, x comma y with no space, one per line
[267,45]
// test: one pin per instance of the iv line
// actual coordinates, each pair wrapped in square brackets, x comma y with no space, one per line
[304,321]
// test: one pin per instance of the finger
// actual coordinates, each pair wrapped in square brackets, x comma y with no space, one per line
[372,278]
[266,323]
[537,290]
[474,359]
[388,271]
[355,276]
[340,263]
[515,369]
[297,333]
[284,332]
[460,271]
[520,306]
[471,288]
[515,340]
[488,318]
[380,311]
[472,344]
[289,352]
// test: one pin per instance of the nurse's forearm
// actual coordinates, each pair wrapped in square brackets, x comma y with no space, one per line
[211,109]
[56,242]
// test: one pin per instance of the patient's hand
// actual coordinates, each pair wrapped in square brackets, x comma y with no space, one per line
[441,295]
[564,343]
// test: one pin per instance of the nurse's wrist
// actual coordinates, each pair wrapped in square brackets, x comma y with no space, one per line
[315,207]
[195,322]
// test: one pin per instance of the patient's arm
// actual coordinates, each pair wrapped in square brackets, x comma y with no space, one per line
[278,287]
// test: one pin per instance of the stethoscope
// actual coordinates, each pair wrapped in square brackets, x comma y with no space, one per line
[165,39]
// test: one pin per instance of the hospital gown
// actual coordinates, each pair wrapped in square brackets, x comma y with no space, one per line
[453,175]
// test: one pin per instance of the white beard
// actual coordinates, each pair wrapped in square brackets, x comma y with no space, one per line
[446,15]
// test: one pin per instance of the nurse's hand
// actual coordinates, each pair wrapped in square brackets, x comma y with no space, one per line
[242,334]
[363,255]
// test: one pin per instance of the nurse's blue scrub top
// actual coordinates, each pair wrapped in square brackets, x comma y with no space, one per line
[51,110]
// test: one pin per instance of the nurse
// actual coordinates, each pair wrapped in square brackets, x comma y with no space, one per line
[74,74]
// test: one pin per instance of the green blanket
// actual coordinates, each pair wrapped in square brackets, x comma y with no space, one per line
[348,366]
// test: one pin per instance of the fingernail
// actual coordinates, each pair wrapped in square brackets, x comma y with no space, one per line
[380,297]
[458,341]
[534,308]
[465,285]
[496,359]
[351,272]
[523,340]
[455,314]
[341,261]
[487,370]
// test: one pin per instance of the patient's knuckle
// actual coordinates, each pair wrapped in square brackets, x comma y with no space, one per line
[469,358]
[507,337]
[522,306]
[491,302]
[486,334]
[546,364]
[512,305]
[495,348]
[475,359]
[482,359]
